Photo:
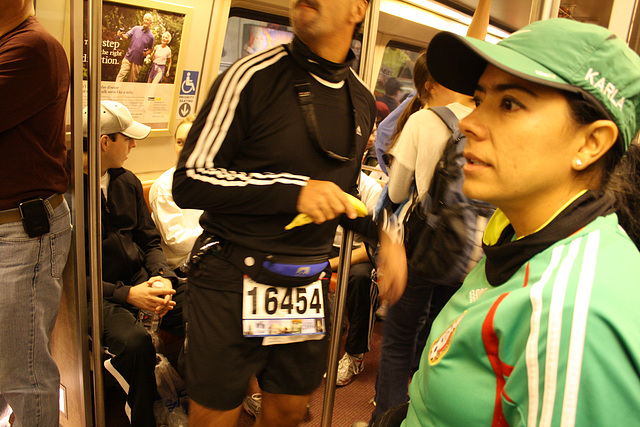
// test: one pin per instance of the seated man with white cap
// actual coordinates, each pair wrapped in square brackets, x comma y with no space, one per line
[132,259]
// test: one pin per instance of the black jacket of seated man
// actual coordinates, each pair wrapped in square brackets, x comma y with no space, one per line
[131,251]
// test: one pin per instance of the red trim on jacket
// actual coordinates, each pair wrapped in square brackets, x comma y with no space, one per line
[501,370]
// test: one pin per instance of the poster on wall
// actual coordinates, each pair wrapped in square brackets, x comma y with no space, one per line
[141,58]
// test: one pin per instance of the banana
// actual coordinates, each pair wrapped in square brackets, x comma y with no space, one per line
[361,208]
[304,219]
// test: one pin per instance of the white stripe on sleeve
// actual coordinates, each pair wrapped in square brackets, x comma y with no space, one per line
[531,351]
[578,330]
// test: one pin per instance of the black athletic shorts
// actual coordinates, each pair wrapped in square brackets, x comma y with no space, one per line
[220,360]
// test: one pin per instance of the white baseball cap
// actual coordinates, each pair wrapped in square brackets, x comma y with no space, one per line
[116,118]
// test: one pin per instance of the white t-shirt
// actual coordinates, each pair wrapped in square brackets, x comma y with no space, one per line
[179,227]
[161,55]
[417,151]
[104,184]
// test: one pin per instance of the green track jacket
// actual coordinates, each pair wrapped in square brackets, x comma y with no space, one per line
[557,344]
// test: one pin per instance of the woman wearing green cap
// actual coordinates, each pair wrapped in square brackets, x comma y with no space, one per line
[546,329]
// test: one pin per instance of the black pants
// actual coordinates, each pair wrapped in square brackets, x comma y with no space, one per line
[134,357]
[362,303]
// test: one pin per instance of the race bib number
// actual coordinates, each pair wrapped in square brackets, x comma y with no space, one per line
[282,311]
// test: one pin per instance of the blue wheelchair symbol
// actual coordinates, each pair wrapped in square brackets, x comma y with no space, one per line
[188,86]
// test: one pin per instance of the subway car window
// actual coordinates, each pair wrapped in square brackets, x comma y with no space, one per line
[249,32]
[247,36]
[395,79]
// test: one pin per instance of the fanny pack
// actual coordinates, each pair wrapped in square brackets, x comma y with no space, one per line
[274,270]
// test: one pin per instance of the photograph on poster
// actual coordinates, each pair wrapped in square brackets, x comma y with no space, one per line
[139,43]
[140,53]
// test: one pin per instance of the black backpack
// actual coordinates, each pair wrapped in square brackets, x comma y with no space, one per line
[443,230]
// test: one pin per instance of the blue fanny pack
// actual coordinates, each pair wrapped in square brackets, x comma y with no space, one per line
[274,270]
[295,270]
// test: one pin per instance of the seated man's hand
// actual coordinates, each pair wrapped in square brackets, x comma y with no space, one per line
[323,201]
[145,297]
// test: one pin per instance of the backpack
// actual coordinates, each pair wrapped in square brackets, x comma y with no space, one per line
[443,230]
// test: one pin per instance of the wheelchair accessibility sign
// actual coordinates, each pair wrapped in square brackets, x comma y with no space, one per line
[187,97]
[189,82]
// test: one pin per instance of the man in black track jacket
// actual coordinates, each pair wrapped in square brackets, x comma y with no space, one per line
[252,161]
[132,259]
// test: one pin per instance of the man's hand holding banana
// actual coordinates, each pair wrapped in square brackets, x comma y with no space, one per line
[321,201]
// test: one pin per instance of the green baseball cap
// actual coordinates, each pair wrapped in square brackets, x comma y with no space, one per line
[560,53]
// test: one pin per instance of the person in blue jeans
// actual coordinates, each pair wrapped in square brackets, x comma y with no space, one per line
[35,225]
[415,149]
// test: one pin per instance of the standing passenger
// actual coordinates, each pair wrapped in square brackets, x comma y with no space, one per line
[544,330]
[252,162]
[418,143]
[35,229]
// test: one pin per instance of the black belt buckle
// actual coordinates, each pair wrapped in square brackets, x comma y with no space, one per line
[210,246]
[35,219]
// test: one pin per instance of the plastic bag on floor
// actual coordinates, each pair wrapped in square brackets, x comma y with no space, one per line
[178,418]
[172,407]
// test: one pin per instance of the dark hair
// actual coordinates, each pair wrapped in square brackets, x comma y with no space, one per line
[421,76]
[621,173]
[392,86]
[624,184]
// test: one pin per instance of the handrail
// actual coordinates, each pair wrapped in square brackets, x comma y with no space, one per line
[94,202]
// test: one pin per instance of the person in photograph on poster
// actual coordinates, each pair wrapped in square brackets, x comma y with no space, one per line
[141,41]
[160,60]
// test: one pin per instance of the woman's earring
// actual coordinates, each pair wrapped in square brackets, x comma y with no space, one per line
[578,162]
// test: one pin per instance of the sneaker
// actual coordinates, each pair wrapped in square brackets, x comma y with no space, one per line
[253,404]
[348,367]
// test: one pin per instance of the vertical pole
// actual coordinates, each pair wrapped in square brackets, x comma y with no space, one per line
[344,263]
[94,201]
[543,9]
[369,43]
[77,48]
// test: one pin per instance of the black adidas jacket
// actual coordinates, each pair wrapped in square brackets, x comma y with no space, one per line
[248,154]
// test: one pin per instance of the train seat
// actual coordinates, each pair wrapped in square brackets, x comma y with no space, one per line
[146,187]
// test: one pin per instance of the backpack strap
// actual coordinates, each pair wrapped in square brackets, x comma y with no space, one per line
[441,175]
[483,209]
[449,119]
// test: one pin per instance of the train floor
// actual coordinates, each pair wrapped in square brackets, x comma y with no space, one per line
[352,402]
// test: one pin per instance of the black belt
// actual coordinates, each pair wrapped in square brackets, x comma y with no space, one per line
[13,215]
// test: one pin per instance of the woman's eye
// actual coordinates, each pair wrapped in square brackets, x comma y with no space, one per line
[509,104]
[477,100]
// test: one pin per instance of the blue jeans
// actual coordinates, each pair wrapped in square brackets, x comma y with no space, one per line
[407,321]
[31,285]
